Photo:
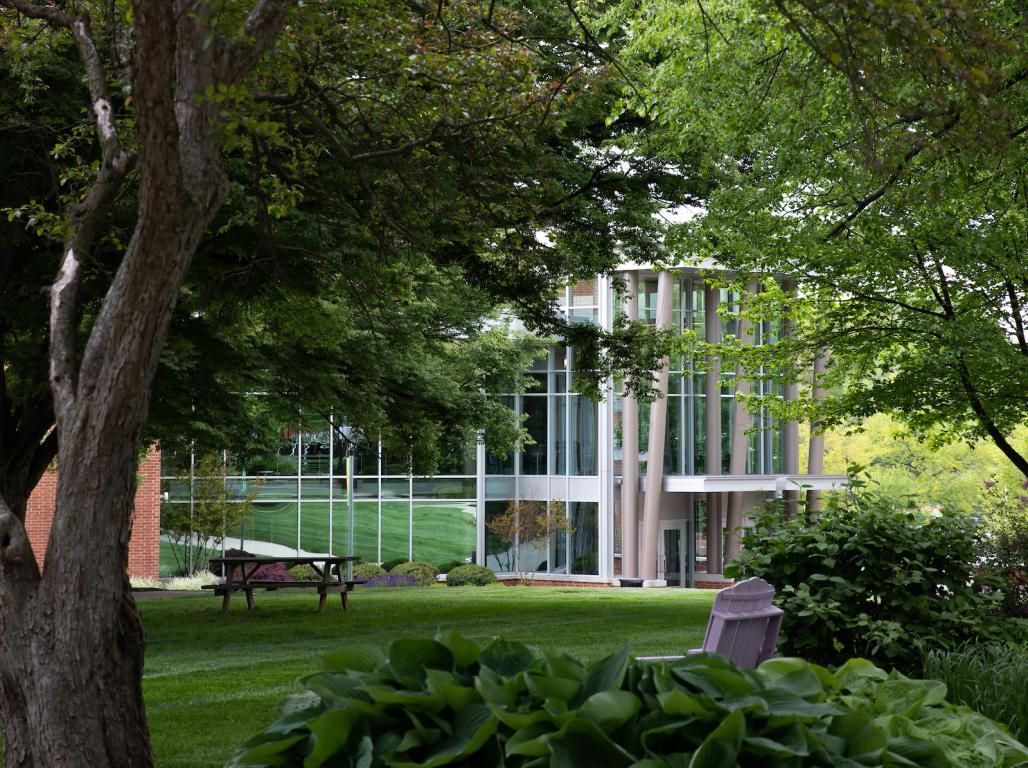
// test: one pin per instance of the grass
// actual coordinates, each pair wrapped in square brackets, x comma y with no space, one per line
[211,681]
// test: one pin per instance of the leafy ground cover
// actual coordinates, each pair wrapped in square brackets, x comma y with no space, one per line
[212,681]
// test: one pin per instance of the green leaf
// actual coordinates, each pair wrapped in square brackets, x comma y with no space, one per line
[507,657]
[604,674]
[410,658]
[465,652]
[471,730]
[581,744]
[610,709]
[362,658]
[721,748]
[330,734]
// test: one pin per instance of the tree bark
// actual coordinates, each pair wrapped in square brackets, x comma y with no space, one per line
[71,642]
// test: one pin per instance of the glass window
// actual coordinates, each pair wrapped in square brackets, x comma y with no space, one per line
[395,489]
[533,458]
[444,532]
[395,530]
[558,555]
[272,523]
[280,488]
[700,435]
[585,550]
[499,555]
[444,488]
[312,489]
[314,525]
[558,429]
[584,436]
[727,411]
[365,530]
[363,489]
[700,531]
[673,436]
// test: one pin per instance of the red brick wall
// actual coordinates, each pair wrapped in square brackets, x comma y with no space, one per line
[144,545]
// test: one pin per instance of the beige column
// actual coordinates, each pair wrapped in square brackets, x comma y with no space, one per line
[741,422]
[655,451]
[712,391]
[630,456]
[816,446]
[791,447]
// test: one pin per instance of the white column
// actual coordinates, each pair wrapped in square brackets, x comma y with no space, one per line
[712,392]
[604,449]
[630,456]
[658,428]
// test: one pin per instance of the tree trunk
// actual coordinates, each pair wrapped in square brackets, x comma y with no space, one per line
[71,643]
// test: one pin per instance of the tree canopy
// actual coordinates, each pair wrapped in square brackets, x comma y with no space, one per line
[874,155]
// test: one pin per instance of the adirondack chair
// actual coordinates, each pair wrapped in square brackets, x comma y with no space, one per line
[743,625]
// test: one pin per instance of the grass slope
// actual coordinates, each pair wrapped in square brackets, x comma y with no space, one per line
[211,681]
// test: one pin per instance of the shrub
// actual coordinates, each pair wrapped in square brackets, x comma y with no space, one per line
[388,565]
[450,702]
[304,572]
[450,565]
[872,578]
[423,573]
[986,678]
[470,575]
[366,571]
[1005,544]
[272,572]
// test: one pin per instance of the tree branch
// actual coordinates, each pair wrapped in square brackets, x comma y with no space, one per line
[260,31]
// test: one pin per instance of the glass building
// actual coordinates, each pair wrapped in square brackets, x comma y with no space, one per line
[668,521]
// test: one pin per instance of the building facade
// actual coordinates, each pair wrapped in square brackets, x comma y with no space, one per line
[668,522]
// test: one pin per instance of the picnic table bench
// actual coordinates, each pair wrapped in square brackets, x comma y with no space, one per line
[240,571]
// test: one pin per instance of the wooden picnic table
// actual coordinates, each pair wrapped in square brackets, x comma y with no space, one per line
[240,571]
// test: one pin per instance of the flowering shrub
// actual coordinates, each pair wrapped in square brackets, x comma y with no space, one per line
[391,580]
[423,573]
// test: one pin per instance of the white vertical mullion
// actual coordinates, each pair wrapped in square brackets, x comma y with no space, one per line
[331,479]
[299,478]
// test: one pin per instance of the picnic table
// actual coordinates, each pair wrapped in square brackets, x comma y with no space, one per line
[240,572]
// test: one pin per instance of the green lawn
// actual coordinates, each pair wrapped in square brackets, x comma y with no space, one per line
[211,681]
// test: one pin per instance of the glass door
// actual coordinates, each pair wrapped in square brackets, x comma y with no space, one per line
[673,561]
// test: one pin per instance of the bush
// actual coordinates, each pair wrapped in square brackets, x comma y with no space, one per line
[304,572]
[449,566]
[272,572]
[986,678]
[450,702]
[1005,544]
[470,575]
[388,565]
[875,579]
[423,573]
[367,571]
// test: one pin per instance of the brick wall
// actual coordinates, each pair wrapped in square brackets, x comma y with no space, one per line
[144,545]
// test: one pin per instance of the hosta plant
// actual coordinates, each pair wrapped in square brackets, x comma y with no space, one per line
[449,701]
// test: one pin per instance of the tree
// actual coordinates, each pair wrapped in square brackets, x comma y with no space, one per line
[196,531]
[382,192]
[874,155]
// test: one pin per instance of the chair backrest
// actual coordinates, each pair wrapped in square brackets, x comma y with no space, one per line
[744,624]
